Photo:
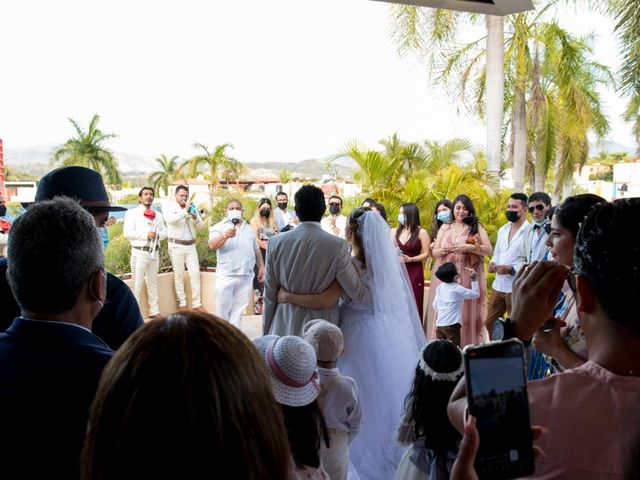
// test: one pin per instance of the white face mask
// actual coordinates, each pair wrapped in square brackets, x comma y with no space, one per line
[234,214]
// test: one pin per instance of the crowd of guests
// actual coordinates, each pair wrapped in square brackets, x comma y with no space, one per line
[91,391]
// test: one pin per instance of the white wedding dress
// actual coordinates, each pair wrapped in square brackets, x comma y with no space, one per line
[382,342]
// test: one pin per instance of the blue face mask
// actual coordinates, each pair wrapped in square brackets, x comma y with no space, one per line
[401,219]
[540,223]
[444,216]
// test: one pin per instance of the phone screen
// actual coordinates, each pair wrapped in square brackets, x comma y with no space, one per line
[497,397]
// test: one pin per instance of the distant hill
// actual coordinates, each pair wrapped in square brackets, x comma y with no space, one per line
[34,161]
[609,146]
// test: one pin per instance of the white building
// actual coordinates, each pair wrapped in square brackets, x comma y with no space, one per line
[626,178]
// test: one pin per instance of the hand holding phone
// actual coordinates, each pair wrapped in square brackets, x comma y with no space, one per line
[497,397]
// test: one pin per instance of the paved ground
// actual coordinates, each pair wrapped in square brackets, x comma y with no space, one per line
[252,326]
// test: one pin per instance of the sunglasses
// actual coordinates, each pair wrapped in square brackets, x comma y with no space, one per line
[538,207]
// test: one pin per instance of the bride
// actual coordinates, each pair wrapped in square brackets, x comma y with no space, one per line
[382,341]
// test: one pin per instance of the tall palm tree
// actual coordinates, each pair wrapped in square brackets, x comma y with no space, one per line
[212,161]
[86,149]
[161,179]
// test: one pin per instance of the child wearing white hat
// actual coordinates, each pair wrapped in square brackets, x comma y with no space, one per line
[291,363]
[338,397]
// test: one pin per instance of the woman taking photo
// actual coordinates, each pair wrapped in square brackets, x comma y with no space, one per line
[413,241]
[465,242]
[264,226]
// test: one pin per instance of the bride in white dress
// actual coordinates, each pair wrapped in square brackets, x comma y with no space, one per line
[382,341]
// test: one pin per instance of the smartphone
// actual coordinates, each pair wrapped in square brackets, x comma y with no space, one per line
[497,397]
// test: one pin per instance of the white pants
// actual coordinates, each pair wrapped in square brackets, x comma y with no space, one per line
[181,255]
[335,459]
[232,296]
[143,266]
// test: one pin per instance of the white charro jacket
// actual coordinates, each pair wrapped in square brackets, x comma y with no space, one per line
[137,227]
[175,217]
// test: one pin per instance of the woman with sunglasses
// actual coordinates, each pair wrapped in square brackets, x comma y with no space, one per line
[562,339]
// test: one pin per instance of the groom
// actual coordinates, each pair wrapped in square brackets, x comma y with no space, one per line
[306,261]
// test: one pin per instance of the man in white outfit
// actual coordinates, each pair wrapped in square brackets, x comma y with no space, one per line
[335,223]
[144,227]
[182,222]
[237,252]
[285,217]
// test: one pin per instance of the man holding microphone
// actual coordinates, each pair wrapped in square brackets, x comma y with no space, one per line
[144,228]
[237,253]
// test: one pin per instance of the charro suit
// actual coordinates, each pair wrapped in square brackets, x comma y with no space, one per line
[306,260]
[49,372]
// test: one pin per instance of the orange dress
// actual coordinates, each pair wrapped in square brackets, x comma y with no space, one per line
[474,312]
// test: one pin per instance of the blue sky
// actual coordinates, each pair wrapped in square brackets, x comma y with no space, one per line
[283,80]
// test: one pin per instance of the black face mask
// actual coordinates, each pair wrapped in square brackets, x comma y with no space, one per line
[3,211]
[512,216]
[334,209]
[282,205]
[265,212]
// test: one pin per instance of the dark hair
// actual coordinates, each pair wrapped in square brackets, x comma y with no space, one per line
[572,211]
[310,204]
[234,200]
[520,196]
[182,187]
[447,272]
[153,192]
[540,197]
[354,226]
[471,220]
[54,248]
[184,395]
[435,223]
[368,200]
[382,210]
[429,398]
[306,428]
[264,200]
[551,212]
[281,193]
[411,221]
[607,255]
[336,196]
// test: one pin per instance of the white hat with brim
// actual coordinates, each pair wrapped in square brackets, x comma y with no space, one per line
[291,363]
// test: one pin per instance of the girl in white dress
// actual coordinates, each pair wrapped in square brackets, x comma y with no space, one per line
[382,340]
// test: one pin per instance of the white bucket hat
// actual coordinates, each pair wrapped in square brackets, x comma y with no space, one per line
[291,362]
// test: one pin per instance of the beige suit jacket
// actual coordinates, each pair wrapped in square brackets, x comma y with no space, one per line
[306,260]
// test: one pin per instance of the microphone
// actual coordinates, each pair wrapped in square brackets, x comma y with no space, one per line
[235,221]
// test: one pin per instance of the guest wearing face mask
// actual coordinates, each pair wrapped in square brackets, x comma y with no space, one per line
[413,241]
[335,223]
[237,252]
[264,226]
[286,218]
[505,255]
[534,244]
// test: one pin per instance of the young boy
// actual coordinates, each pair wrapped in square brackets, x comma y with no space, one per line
[338,398]
[448,301]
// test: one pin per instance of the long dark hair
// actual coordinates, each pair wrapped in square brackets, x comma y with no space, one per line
[435,223]
[306,428]
[572,212]
[411,221]
[354,226]
[472,220]
[428,398]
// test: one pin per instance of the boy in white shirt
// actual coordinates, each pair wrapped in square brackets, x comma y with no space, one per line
[448,301]
[338,397]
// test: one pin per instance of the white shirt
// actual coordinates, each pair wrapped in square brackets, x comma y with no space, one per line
[448,301]
[137,227]
[506,253]
[340,403]
[284,218]
[539,247]
[237,256]
[341,224]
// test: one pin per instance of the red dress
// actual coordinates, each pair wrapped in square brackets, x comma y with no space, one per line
[415,270]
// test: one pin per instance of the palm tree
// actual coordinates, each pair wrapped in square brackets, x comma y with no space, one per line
[212,161]
[161,179]
[285,176]
[86,150]
[430,32]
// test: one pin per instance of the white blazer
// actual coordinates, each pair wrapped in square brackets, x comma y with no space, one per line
[137,226]
[175,217]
